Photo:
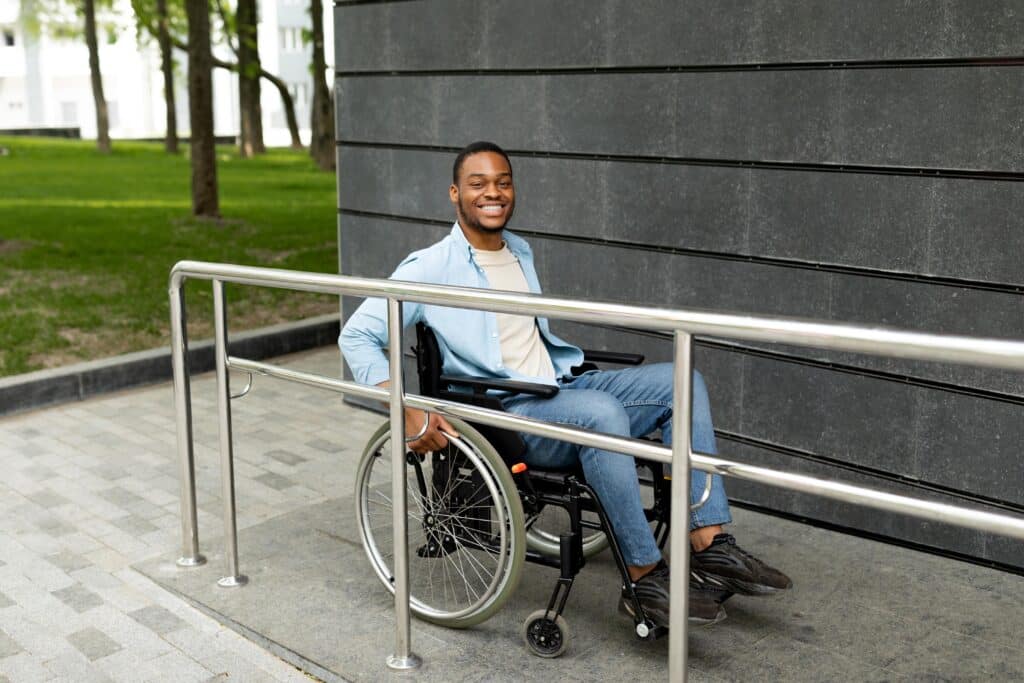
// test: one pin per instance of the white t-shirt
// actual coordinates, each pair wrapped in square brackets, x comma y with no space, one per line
[522,348]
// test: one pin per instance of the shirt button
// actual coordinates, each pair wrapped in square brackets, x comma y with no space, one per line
[494,334]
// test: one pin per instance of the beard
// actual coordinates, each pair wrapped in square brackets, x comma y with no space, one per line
[474,224]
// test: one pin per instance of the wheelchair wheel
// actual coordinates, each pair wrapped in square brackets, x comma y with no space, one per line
[546,637]
[465,521]
[542,533]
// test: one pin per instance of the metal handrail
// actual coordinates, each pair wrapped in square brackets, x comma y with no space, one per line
[684,324]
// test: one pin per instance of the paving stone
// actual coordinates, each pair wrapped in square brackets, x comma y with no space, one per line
[22,668]
[40,543]
[274,481]
[8,646]
[159,620]
[72,666]
[96,579]
[47,499]
[54,526]
[78,597]
[93,643]
[146,510]
[286,457]
[134,525]
[325,445]
[39,472]
[119,496]
[269,436]
[110,472]
[31,450]
[128,665]
[175,667]
[68,561]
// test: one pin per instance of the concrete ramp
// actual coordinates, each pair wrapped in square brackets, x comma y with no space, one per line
[860,611]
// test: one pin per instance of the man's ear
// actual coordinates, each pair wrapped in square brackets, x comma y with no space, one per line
[453,193]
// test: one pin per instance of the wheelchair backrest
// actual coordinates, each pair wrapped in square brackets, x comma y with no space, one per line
[428,361]
[428,366]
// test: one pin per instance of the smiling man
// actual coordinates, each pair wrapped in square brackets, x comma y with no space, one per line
[480,252]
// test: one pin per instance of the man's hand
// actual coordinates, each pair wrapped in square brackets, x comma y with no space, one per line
[432,439]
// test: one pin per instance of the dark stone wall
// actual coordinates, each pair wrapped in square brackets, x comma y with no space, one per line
[857,162]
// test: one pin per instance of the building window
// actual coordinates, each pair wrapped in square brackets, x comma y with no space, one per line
[291,39]
[69,113]
[8,37]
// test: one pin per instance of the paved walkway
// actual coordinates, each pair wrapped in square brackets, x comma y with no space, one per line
[88,489]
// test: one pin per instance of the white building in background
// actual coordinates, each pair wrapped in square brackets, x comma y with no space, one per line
[44,81]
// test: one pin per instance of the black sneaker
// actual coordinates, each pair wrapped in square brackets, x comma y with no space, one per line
[725,566]
[652,590]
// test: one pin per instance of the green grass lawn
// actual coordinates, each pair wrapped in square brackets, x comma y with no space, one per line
[87,242]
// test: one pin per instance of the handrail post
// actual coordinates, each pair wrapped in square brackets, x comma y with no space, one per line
[227,467]
[682,411]
[403,659]
[190,556]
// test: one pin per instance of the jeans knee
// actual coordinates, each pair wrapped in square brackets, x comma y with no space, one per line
[605,414]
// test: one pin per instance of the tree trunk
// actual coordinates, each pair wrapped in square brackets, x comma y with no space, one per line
[289,107]
[321,146]
[250,112]
[200,108]
[102,122]
[167,67]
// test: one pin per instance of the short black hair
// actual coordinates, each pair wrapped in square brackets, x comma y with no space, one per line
[476,148]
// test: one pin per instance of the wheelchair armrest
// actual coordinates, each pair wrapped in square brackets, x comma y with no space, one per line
[482,384]
[612,357]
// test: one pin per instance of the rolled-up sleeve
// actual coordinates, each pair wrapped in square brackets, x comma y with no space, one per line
[365,335]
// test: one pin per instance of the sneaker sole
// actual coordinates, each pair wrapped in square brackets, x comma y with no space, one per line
[738,586]
[626,607]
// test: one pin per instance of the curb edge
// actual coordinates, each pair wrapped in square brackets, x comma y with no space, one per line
[70,383]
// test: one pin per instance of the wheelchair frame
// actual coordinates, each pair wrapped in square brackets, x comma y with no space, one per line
[545,631]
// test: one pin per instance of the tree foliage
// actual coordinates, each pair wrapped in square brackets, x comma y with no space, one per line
[77,20]
[222,31]
[159,20]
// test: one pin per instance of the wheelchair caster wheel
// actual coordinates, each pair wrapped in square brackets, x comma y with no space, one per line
[544,636]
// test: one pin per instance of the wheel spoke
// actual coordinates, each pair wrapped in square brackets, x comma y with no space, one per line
[460,558]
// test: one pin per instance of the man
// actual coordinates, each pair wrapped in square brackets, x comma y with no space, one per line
[479,252]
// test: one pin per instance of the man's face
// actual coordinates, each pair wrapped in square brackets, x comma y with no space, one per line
[484,197]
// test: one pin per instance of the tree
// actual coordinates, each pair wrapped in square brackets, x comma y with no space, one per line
[200,106]
[147,21]
[102,120]
[250,112]
[73,20]
[321,145]
[167,69]
[160,20]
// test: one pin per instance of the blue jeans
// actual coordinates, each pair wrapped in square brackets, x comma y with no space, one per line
[628,402]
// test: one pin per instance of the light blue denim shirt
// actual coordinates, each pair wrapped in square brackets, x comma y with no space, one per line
[468,339]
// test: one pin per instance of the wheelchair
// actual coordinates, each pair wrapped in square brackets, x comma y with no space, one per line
[476,513]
